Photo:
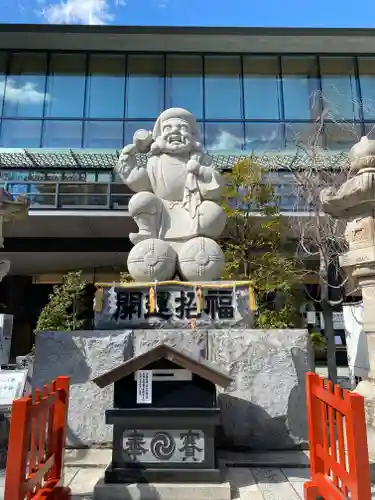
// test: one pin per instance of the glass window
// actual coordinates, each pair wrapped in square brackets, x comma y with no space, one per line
[103,135]
[132,127]
[300,88]
[341,136]
[226,137]
[62,134]
[104,177]
[83,196]
[42,195]
[26,85]
[105,97]
[370,130]
[83,188]
[366,66]
[261,88]
[340,99]
[3,64]
[21,133]
[145,86]
[222,87]
[185,83]
[261,137]
[303,135]
[66,86]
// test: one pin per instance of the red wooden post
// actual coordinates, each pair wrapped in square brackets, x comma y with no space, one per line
[314,423]
[60,415]
[18,448]
[356,435]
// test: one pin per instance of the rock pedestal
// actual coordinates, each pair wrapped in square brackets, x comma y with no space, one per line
[264,408]
[355,203]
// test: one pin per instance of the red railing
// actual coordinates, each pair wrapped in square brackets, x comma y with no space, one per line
[339,460]
[36,445]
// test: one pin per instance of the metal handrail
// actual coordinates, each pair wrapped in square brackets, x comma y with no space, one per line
[111,197]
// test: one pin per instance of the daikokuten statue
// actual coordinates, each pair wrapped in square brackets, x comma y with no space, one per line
[174,207]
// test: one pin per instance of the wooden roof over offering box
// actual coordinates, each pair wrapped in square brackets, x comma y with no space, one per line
[185,359]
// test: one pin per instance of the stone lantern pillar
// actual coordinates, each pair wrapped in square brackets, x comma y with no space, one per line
[10,210]
[355,203]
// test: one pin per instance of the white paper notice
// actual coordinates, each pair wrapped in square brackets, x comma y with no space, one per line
[12,384]
[144,387]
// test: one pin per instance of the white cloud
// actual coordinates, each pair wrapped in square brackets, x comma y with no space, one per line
[92,12]
[27,94]
[225,141]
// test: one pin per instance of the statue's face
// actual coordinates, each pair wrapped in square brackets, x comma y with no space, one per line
[176,136]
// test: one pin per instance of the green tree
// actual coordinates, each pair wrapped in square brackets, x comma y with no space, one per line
[125,277]
[63,311]
[256,246]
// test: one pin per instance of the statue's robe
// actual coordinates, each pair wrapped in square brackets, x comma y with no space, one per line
[182,194]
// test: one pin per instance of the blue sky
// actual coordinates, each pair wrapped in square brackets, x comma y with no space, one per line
[293,13]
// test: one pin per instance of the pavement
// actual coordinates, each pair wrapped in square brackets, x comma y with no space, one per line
[257,476]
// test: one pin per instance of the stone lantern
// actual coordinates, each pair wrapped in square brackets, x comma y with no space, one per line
[355,203]
[10,209]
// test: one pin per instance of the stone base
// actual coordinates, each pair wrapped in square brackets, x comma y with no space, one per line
[82,355]
[263,409]
[133,475]
[366,388]
[161,491]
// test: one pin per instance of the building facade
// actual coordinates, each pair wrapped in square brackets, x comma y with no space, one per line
[72,96]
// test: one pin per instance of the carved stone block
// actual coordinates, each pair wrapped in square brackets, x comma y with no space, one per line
[265,406]
[360,232]
[81,355]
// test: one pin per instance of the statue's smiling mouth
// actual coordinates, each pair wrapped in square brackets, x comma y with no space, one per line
[176,139]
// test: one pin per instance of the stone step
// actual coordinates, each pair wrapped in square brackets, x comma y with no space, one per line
[243,484]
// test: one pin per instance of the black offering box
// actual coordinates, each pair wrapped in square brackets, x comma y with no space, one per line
[164,417]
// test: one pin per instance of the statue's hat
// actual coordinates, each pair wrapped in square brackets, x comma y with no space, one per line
[175,113]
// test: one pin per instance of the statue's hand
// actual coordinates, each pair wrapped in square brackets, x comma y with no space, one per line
[193,166]
[130,149]
[142,140]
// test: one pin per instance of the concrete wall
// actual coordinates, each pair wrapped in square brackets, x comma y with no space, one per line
[264,407]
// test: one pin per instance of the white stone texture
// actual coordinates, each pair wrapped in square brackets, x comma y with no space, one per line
[366,388]
[201,259]
[152,260]
[82,355]
[194,341]
[265,406]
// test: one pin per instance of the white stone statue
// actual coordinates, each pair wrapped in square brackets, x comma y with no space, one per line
[175,193]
